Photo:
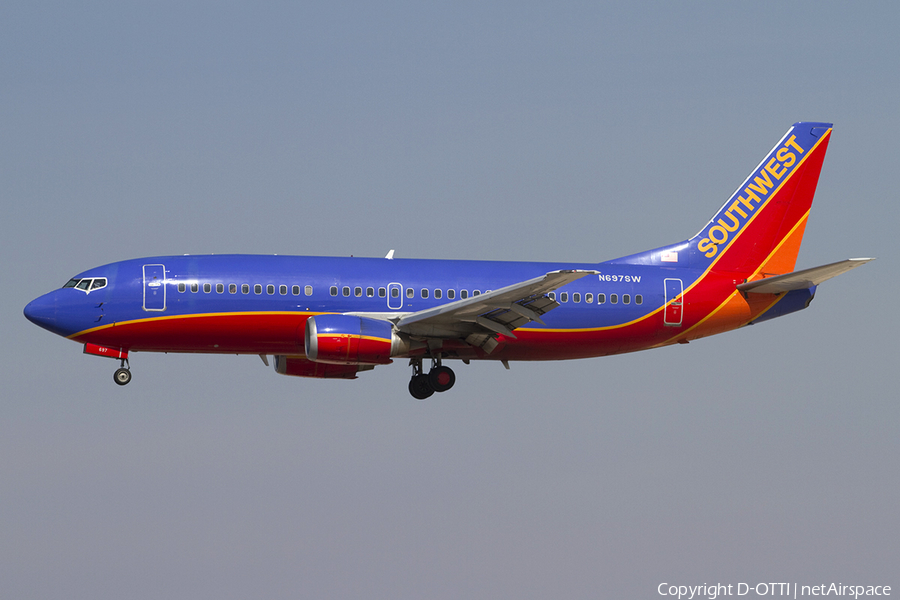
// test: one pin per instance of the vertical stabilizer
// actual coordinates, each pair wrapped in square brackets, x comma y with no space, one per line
[760,227]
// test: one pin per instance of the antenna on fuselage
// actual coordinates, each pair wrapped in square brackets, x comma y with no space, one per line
[390,255]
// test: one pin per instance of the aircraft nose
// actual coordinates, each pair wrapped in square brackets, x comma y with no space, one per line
[42,311]
[64,312]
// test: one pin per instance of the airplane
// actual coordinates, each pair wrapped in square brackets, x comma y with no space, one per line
[330,317]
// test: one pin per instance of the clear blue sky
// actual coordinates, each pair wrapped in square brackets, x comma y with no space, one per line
[554,131]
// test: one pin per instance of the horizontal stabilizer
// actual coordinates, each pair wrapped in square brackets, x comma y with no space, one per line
[801,280]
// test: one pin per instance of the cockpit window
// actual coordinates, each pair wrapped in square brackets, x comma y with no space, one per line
[86,285]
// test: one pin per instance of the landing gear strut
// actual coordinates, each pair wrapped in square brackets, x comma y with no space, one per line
[123,375]
[438,379]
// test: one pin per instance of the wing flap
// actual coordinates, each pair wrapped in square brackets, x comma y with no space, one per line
[801,280]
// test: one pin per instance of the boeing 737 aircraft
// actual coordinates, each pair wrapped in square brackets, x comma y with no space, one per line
[336,317]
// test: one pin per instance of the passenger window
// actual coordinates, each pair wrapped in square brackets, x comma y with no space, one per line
[576,297]
[437,294]
[245,288]
[589,298]
[410,293]
[552,296]
[257,288]
[270,289]
[181,287]
[346,290]
[295,290]
[282,289]
[308,290]
[357,292]
[626,299]
[638,299]
[195,287]
[464,294]
[220,288]
[232,288]
[370,292]
[382,292]
[395,293]
[84,284]
[333,290]
[451,294]
[425,293]
[476,293]
[601,298]
[207,288]
[613,298]
[564,296]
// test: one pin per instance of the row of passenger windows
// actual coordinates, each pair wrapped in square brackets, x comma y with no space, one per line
[395,292]
[601,298]
[245,288]
[438,294]
[451,295]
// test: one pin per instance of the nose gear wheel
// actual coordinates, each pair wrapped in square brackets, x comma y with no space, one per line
[122,376]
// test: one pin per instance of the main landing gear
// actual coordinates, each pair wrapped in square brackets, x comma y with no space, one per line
[438,379]
[123,374]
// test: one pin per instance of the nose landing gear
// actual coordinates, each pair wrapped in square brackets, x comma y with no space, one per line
[122,376]
[438,379]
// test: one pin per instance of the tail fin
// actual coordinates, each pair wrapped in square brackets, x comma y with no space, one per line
[761,226]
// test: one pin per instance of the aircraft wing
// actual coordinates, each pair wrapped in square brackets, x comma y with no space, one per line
[801,280]
[480,318]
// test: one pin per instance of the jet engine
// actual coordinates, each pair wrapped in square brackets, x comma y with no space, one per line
[352,340]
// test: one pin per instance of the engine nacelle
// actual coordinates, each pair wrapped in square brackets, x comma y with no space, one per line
[298,366]
[351,340]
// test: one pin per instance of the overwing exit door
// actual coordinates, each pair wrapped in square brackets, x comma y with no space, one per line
[395,296]
[674,303]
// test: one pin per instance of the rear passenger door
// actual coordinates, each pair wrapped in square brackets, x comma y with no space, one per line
[674,303]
